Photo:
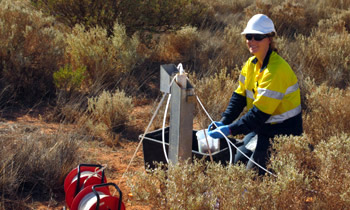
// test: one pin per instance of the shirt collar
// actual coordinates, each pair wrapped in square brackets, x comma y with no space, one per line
[265,62]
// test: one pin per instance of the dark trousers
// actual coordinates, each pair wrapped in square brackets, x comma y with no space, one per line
[260,155]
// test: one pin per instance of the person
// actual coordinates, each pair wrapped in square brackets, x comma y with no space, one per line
[269,89]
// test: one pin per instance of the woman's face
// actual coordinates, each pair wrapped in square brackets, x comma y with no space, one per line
[257,44]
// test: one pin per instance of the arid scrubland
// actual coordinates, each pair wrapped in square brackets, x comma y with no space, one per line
[90,62]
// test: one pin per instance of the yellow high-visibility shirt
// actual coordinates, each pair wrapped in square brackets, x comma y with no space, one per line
[273,89]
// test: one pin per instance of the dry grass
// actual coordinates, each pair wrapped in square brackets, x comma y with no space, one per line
[313,37]
[34,163]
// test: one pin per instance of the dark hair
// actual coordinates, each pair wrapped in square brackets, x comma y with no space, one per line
[272,43]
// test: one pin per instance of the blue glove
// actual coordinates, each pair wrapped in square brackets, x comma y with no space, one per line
[216,134]
[214,125]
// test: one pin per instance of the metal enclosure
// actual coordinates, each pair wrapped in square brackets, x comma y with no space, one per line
[181,115]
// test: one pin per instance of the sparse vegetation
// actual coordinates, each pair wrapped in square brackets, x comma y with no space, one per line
[108,114]
[34,164]
[85,61]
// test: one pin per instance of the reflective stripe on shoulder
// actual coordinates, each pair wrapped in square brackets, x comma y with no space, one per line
[282,117]
[292,88]
[275,94]
[242,78]
[250,94]
[270,93]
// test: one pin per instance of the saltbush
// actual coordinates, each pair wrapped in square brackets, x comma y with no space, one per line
[327,113]
[31,49]
[303,178]
[108,113]
[204,52]
[208,89]
[108,60]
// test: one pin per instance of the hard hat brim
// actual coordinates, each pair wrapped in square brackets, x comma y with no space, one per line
[250,31]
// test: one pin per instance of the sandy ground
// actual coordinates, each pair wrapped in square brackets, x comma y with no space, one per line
[117,159]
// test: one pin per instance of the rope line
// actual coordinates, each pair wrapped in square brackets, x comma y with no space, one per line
[143,136]
[211,119]
[229,142]
[163,130]
[163,139]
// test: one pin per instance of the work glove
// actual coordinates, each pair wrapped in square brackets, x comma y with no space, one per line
[216,134]
[214,125]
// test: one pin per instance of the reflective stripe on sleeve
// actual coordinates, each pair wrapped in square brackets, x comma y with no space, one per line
[292,88]
[282,117]
[270,93]
[250,94]
[242,78]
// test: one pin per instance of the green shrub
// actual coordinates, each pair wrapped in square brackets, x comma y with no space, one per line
[191,186]
[108,60]
[108,113]
[31,48]
[69,79]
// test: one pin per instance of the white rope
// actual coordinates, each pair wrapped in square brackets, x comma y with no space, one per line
[143,136]
[163,130]
[229,142]
[95,174]
[163,138]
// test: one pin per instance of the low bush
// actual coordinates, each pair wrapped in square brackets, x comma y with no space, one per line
[88,13]
[136,15]
[31,49]
[34,164]
[177,188]
[332,183]
[107,115]
[68,79]
[219,14]
[203,52]
[315,56]
[108,60]
[208,89]
[327,108]
[304,178]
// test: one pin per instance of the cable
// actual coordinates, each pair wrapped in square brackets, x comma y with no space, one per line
[143,136]
[163,130]
[229,142]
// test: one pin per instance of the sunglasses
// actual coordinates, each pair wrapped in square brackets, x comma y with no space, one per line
[257,37]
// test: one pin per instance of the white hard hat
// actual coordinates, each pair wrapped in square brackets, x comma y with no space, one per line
[259,24]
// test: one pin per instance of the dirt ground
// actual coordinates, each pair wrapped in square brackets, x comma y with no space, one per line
[117,159]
